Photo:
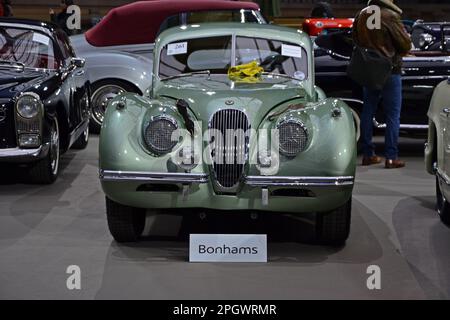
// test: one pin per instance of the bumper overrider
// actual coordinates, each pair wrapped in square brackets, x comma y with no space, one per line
[321,193]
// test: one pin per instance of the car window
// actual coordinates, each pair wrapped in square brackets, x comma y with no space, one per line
[244,16]
[32,48]
[274,56]
[213,53]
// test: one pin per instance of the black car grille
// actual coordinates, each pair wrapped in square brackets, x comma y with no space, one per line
[231,149]
[7,127]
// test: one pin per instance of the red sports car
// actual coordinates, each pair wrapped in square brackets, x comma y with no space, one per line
[315,27]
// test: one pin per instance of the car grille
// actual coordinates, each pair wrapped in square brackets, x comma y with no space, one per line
[7,125]
[231,149]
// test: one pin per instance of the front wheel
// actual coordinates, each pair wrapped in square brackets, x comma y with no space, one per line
[443,207]
[46,170]
[333,228]
[103,92]
[125,223]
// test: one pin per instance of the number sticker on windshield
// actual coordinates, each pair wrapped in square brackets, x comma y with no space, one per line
[40,38]
[177,48]
[291,51]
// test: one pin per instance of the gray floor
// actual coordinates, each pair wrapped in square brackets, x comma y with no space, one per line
[43,230]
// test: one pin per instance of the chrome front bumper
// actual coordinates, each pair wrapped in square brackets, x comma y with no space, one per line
[264,183]
[276,181]
[23,155]
[198,178]
[153,177]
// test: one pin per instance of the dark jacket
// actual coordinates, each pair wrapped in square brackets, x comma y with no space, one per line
[391,40]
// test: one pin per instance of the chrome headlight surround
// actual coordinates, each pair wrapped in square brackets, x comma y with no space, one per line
[29,120]
[157,134]
[29,105]
[293,137]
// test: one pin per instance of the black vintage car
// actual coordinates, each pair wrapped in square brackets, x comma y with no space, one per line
[423,69]
[44,97]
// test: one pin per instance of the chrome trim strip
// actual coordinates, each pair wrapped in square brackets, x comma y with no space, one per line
[153,177]
[17,152]
[351,100]
[442,77]
[378,125]
[277,181]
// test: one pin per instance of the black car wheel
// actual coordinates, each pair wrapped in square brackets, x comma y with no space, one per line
[443,207]
[46,171]
[103,92]
[82,140]
[333,228]
[125,223]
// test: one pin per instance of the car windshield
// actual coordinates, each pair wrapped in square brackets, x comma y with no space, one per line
[214,54]
[30,48]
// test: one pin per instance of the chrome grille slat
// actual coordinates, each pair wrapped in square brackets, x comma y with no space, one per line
[230,149]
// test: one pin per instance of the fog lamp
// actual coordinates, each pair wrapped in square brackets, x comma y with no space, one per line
[29,140]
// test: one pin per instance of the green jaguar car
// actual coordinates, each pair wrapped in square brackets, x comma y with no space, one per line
[233,122]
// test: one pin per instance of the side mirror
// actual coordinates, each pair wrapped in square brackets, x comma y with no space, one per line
[78,62]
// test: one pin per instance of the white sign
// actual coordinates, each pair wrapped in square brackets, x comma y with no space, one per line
[291,51]
[37,37]
[177,48]
[227,248]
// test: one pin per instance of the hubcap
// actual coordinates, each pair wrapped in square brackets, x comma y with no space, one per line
[100,100]
[54,148]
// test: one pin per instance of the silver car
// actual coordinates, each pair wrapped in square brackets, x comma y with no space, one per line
[118,51]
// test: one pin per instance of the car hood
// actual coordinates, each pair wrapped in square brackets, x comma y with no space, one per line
[208,95]
[12,82]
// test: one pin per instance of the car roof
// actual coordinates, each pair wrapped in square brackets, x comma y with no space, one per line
[223,28]
[43,26]
[139,22]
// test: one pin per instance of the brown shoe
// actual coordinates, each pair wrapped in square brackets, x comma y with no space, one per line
[368,161]
[394,164]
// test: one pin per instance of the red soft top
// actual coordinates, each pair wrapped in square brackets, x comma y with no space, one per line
[139,22]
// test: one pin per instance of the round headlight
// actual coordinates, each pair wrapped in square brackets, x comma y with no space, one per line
[293,137]
[158,134]
[28,105]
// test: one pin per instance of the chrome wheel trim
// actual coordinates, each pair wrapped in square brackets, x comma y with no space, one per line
[54,148]
[86,134]
[100,100]
[357,120]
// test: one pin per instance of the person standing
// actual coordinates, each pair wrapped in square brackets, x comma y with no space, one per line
[61,18]
[6,9]
[392,41]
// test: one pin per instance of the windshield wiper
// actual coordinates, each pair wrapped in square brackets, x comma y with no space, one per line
[280,75]
[181,75]
[16,65]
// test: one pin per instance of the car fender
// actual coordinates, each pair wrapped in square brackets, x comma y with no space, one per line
[127,67]
[331,149]
[439,102]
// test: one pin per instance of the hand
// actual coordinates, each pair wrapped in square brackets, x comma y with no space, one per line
[51,11]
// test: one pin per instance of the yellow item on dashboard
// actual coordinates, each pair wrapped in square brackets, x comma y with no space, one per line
[249,72]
